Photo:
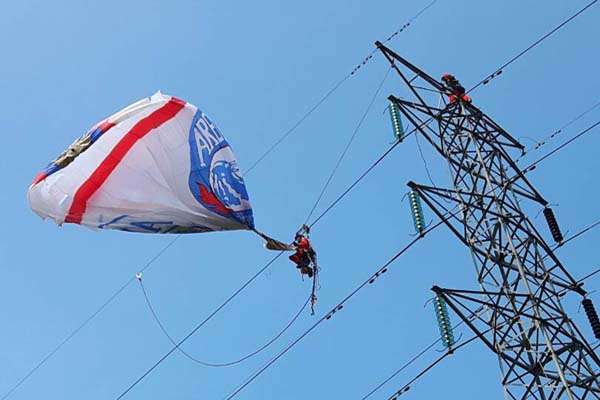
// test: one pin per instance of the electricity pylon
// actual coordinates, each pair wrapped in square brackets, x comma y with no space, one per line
[541,352]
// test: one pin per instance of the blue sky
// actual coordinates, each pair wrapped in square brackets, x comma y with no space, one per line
[255,68]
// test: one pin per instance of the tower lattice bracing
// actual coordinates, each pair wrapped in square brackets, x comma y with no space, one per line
[541,352]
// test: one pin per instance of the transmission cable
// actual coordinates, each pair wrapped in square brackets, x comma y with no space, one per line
[484,81]
[201,324]
[348,144]
[335,87]
[87,320]
[499,71]
[220,364]
[406,387]
[439,339]
[534,164]
[383,269]
[544,141]
[581,232]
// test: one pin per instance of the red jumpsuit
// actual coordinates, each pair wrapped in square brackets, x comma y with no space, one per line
[457,90]
[302,256]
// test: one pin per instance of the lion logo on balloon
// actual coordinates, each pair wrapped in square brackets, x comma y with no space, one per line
[215,179]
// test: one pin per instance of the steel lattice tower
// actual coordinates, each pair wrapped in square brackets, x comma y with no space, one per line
[541,352]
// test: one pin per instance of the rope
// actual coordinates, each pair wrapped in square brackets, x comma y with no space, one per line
[86,321]
[200,325]
[348,144]
[498,71]
[221,364]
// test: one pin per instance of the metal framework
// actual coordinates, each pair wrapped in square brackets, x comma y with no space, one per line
[541,352]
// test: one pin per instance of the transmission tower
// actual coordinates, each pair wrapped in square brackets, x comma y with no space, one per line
[541,352]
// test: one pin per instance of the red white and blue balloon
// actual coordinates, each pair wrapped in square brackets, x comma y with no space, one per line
[159,165]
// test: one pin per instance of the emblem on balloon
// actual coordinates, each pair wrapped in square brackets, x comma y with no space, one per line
[215,179]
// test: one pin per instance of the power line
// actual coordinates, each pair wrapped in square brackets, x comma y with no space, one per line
[403,367]
[200,325]
[406,386]
[356,182]
[438,340]
[430,366]
[558,131]
[581,232]
[365,173]
[296,125]
[499,71]
[335,87]
[86,321]
[534,164]
[348,144]
[220,364]
[383,269]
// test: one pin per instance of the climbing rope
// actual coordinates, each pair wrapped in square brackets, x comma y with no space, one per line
[215,364]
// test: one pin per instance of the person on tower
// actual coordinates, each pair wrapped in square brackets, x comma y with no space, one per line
[457,91]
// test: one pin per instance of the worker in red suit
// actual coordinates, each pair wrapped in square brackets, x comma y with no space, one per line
[304,256]
[457,91]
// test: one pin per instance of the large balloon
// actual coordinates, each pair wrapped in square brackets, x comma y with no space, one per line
[159,166]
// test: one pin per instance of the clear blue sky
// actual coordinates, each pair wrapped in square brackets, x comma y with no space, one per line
[255,67]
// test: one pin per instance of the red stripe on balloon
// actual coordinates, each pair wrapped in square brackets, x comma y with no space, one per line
[112,160]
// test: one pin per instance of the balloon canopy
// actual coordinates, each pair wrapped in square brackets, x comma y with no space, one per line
[159,165]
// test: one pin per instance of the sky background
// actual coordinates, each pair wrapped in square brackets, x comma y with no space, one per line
[255,68]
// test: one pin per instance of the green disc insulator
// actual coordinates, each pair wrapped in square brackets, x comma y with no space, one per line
[443,319]
[417,211]
[396,121]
